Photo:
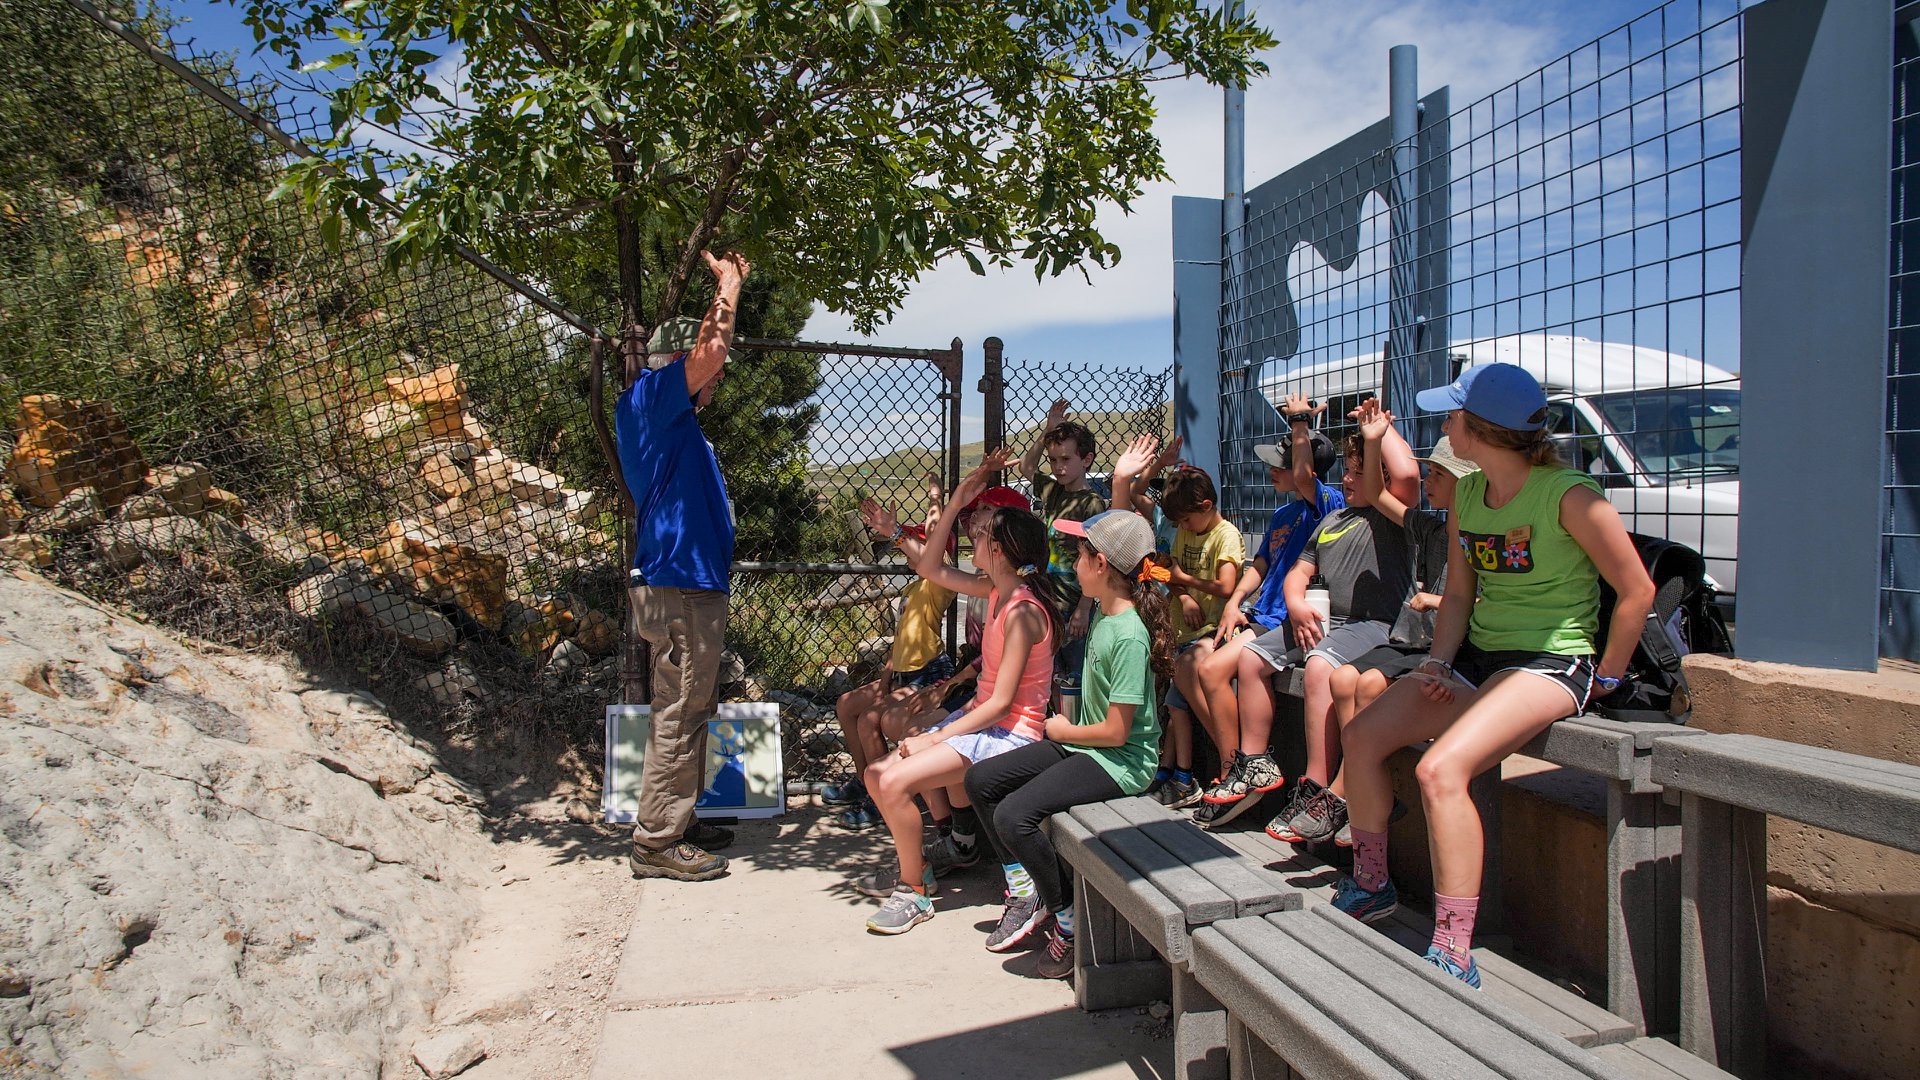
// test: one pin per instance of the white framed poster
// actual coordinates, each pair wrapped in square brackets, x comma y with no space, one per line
[745,774]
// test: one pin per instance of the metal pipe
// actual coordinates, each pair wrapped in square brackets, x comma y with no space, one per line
[1233,219]
[1403,122]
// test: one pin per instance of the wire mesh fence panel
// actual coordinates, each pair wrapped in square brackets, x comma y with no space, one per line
[251,429]
[1900,552]
[815,597]
[1586,222]
[1115,404]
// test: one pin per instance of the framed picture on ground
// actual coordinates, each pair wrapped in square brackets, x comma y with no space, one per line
[745,774]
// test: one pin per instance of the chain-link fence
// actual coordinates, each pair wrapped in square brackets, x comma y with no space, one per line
[1115,404]
[1900,552]
[254,431]
[1582,222]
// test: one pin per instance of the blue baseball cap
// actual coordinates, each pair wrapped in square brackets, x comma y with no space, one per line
[1502,394]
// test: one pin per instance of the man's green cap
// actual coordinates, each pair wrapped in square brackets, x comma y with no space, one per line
[674,336]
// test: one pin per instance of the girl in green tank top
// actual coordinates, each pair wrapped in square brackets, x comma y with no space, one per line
[1520,616]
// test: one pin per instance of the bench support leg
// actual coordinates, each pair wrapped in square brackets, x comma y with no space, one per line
[1113,967]
[1723,935]
[1643,909]
[1251,1059]
[1199,1030]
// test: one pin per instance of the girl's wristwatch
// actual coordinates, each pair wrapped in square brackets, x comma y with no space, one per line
[1607,685]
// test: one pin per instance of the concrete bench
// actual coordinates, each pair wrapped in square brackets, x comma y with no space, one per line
[1729,785]
[1145,879]
[1314,993]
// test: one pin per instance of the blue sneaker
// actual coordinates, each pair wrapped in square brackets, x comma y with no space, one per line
[850,792]
[864,816]
[1363,905]
[1469,974]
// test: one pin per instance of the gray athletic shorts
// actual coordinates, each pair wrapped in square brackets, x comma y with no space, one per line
[1341,646]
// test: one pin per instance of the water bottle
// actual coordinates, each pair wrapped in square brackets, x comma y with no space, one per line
[1320,600]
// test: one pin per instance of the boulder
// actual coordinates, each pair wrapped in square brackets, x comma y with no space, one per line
[224,503]
[418,628]
[446,476]
[449,1053]
[562,610]
[79,511]
[441,386]
[11,513]
[524,482]
[532,631]
[118,553]
[327,596]
[64,445]
[568,660]
[387,419]
[449,686]
[31,548]
[145,508]
[414,559]
[164,536]
[184,487]
[597,632]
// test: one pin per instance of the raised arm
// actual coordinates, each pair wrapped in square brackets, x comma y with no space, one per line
[930,563]
[716,329]
[1130,473]
[1376,429]
[1030,463]
[1300,413]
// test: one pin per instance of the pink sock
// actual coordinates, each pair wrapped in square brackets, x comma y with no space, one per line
[1453,924]
[1370,859]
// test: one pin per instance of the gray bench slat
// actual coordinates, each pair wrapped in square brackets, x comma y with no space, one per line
[1253,889]
[1410,1018]
[1877,801]
[1657,1059]
[1568,1016]
[1200,900]
[1144,906]
[1258,1000]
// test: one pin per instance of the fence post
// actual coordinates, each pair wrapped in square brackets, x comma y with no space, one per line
[993,391]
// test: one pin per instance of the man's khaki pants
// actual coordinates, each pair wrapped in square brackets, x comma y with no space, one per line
[685,628]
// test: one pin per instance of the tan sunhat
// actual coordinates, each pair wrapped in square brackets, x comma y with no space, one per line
[1443,456]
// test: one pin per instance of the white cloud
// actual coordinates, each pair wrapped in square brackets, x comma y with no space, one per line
[1329,79]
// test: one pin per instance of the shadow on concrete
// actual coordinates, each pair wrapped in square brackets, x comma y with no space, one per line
[1040,1047]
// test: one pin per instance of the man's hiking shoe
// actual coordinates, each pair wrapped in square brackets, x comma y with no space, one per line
[1320,818]
[710,837]
[903,911]
[1303,793]
[1247,776]
[944,856]
[1018,920]
[1470,974]
[1176,792]
[849,792]
[680,862]
[1056,961]
[1366,906]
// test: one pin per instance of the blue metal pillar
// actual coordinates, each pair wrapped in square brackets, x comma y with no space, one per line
[1196,328]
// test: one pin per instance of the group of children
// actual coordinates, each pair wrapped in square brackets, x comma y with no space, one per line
[1472,629]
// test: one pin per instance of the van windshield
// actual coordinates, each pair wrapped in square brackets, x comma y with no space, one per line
[1678,431]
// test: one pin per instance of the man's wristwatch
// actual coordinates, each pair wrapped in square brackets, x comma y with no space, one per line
[1300,418]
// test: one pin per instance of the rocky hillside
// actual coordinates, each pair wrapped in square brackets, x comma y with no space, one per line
[208,866]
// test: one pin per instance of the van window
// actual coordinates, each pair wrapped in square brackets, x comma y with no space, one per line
[1678,431]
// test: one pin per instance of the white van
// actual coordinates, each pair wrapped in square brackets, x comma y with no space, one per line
[1660,432]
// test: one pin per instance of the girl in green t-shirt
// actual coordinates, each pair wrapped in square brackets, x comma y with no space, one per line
[1106,750]
[1513,645]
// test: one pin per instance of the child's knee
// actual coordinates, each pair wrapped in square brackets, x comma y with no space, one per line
[1344,681]
[1439,776]
[1319,674]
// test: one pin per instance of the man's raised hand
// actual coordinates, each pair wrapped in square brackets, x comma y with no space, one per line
[732,266]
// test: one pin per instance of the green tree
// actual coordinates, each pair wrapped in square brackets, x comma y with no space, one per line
[844,147]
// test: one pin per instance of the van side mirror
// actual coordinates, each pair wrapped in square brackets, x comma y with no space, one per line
[1570,450]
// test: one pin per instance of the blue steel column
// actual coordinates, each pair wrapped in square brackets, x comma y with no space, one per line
[1403,120]
[1196,328]
[1814,165]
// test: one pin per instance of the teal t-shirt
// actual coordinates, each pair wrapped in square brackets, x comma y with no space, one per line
[1117,672]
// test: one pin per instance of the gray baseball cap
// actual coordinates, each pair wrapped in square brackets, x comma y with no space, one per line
[1123,536]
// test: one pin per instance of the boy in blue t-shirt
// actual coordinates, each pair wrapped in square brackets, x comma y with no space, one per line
[1295,467]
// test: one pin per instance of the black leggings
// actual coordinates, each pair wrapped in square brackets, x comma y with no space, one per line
[1016,791]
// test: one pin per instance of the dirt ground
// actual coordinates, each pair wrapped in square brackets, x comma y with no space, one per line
[535,973]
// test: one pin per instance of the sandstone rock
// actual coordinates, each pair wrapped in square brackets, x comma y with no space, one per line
[65,445]
[387,419]
[535,637]
[732,668]
[441,386]
[418,628]
[165,536]
[325,542]
[79,511]
[449,686]
[31,548]
[184,487]
[11,512]
[562,610]
[449,1053]
[527,483]
[547,527]
[443,573]
[445,476]
[568,661]
[327,596]
[226,504]
[145,508]
[597,632]
[119,553]
[286,549]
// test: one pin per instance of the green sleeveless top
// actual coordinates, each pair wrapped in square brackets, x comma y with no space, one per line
[1539,592]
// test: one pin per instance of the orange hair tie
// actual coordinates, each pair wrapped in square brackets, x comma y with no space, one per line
[1153,571]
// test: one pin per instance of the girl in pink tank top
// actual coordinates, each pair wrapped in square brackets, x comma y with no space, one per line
[1008,710]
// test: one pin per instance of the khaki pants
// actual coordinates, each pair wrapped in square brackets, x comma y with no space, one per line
[685,628]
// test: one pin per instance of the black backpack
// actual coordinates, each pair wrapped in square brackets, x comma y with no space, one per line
[1683,620]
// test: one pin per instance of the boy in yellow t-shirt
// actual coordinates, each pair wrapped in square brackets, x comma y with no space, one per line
[1207,555]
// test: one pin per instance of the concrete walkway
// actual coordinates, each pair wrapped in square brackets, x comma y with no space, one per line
[770,971]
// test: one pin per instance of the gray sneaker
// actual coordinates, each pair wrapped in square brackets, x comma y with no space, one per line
[944,856]
[1344,837]
[903,911]
[1021,916]
[881,883]
[1320,818]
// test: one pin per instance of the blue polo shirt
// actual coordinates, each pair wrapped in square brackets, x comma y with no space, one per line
[1287,534]
[683,529]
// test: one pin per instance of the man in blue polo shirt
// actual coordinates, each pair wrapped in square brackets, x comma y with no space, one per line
[683,550]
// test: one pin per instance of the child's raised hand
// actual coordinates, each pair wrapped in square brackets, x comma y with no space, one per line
[1295,404]
[976,481]
[878,518]
[1373,420]
[1138,455]
[1056,414]
[1170,454]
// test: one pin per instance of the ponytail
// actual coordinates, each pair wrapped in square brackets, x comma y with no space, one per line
[1150,601]
[1023,541]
